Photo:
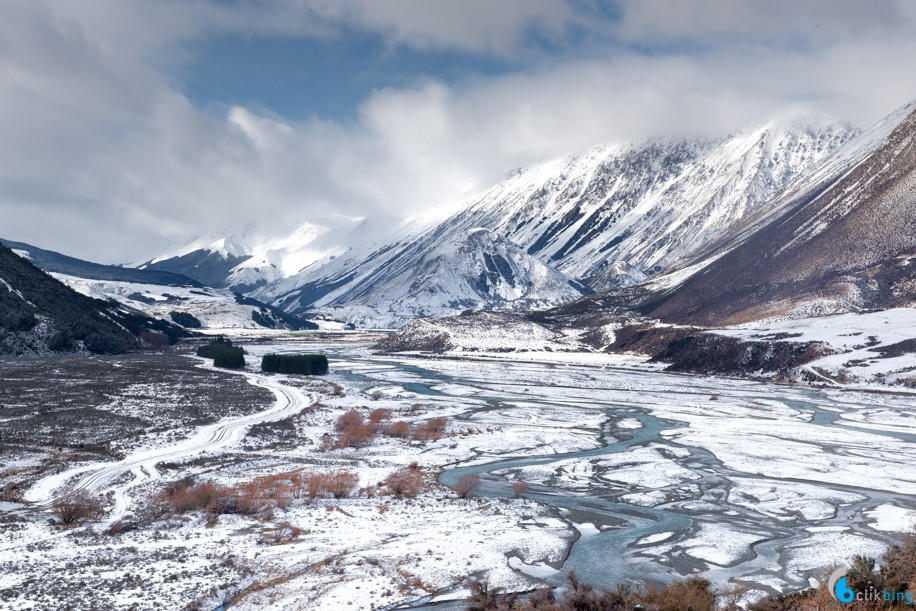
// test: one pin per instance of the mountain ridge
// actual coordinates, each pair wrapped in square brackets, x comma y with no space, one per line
[840,241]
[612,216]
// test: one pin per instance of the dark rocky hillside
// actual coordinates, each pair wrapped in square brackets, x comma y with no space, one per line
[39,314]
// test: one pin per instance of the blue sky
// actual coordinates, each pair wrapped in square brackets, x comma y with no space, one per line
[298,77]
[130,126]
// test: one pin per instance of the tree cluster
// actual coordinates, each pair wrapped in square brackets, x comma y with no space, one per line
[306,364]
[186,320]
[223,353]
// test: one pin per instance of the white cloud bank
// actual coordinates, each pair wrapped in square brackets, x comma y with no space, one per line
[101,156]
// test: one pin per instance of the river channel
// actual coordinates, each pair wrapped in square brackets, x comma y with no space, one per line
[767,482]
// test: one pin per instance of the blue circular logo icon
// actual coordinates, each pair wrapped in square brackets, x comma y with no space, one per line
[838,587]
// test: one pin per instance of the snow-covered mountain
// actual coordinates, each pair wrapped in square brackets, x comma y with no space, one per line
[429,275]
[244,263]
[619,213]
[55,262]
[209,264]
[841,239]
[611,217]
[204,308]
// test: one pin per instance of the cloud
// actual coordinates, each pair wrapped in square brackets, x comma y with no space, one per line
[705,23]
[479,26]
[102,156]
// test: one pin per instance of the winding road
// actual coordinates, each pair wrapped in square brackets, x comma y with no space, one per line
[99,477]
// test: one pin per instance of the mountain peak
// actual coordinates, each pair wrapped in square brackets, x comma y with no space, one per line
[227,248]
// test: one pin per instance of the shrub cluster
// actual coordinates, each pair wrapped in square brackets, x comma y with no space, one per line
[75,505]
[429,430]
[695,593]
[261,496]
[223,353]
[307,364]
[407,481]
[354,431]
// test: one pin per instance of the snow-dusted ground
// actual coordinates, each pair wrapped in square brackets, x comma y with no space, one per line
[858,340]
[657,476]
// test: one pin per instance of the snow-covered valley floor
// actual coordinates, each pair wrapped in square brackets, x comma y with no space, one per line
[630,475]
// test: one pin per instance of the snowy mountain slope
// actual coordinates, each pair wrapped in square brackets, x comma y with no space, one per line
[610,217]
[842,239]
[431,276]
[244,263]
[213,308]
[872,347]
[209,265]
[639,209]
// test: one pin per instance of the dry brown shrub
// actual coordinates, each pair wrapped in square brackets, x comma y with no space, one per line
[349,419]
[184,497]
[278,488]
[356,437]
[341,484]
[75,505]
[519,488]
[297,484]
[379,414]
[431,430]
[281,533]
[399,429]
[376,395]
[466,485]
[695,593]
[404,482]
[353,430]
[315,485]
